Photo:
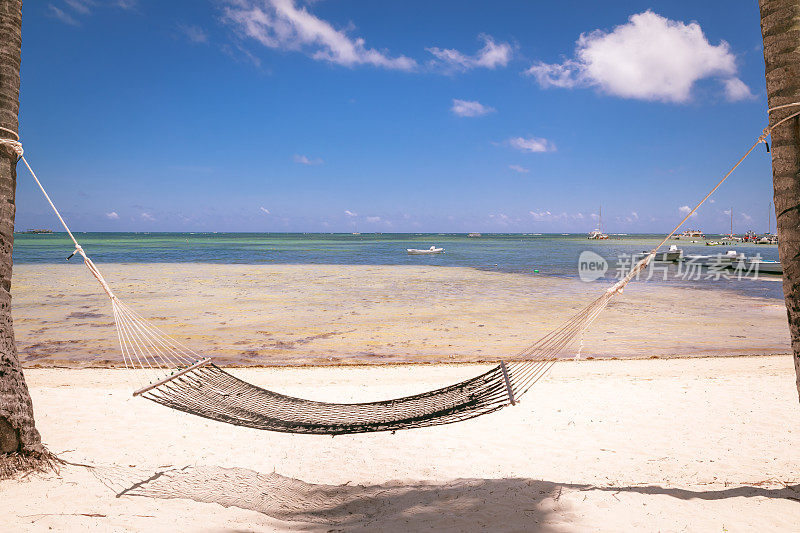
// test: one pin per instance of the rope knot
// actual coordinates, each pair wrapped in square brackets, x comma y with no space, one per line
[15,146]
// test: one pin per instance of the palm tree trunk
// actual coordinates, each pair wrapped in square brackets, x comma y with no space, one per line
[20,443]
[780,29]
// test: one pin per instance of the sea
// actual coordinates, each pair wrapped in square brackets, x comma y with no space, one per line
[529,254]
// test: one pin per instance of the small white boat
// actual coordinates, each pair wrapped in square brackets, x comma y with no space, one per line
[473,235]
[726,260]
[431,250]
[670,256]
[762,266]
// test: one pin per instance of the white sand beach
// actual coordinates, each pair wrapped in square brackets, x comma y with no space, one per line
[650,435]
[701,444]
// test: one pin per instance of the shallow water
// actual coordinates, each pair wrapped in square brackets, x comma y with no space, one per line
[547,254]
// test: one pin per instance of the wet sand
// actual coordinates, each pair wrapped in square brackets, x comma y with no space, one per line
[264,315]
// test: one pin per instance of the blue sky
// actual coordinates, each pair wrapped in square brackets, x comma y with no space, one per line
[281,115]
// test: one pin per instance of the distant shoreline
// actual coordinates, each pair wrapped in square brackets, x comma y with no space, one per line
[443,364]
[484,234]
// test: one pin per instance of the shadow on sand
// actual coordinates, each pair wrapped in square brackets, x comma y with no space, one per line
[510,504]
[787,492]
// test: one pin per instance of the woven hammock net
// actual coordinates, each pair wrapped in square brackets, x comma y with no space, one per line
[201,388]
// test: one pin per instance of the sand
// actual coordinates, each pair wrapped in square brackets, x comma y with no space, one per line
[703,444]
[622,442]
[251,315]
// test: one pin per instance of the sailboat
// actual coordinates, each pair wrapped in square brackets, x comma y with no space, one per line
[731,236]
[769,237]
[598,234]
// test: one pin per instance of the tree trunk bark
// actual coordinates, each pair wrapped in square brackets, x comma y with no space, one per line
[780,29]
[18,434]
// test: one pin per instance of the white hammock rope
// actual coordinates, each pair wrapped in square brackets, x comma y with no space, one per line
[171,367]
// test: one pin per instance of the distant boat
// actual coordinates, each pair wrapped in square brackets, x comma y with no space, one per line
[714,243]
[726,260]
[738,261]
[473,235]
[691,234]
[669,256]
[431,250]
[769,238]
[750,236]
[355,233]
[763,266]
[598,233]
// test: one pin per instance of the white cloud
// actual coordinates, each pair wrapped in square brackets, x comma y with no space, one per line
[736,89]
[61,15]
[148,217]
[194,34]
[518,168]
[112,215]
[545,215]
[727,212]
[531,144]
[350,213]
[491,56]
[541,215]
[81,6]
[264,209]
[73,9]
[648,58]
[630,219]
[305,160]
[685,210]
[746,217]
[373,219]
[467,108]
[240,54]
[500,218]
[282,25]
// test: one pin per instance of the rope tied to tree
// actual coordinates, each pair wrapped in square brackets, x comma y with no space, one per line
[768,130]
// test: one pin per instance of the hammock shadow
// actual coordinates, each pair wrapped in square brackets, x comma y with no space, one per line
[787,492]
[507,504]
[512,504]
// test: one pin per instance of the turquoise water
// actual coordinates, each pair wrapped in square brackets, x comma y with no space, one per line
[549,254]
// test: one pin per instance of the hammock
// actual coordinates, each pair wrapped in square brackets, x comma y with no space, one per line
[202,388]
[195,385]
